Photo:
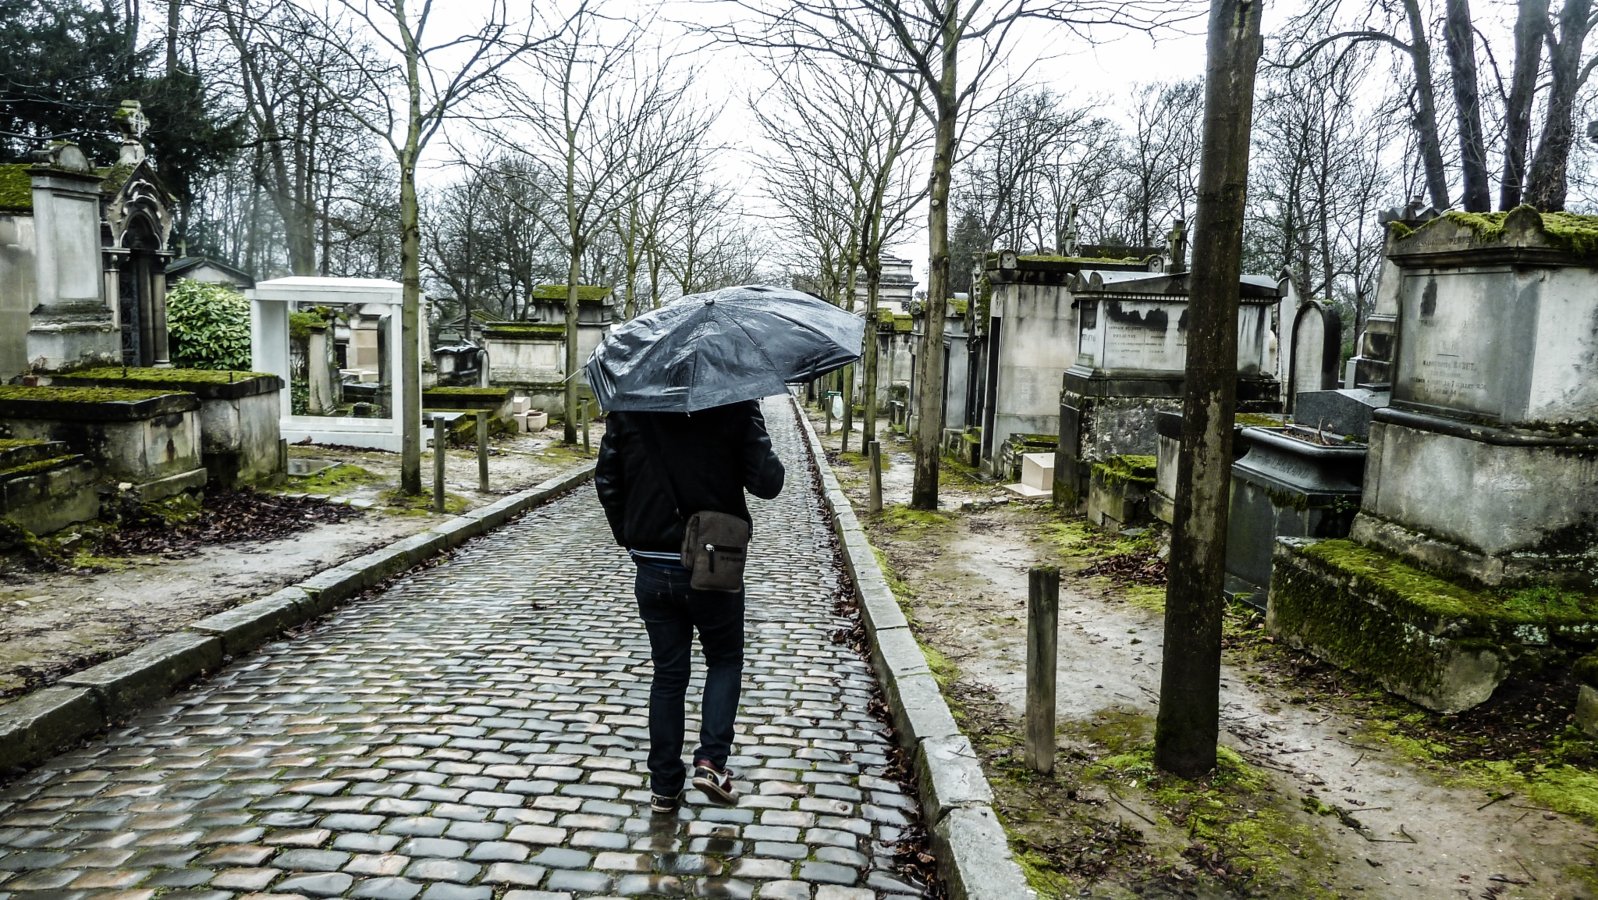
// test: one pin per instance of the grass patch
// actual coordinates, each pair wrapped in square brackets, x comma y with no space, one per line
[422,504]
[333,480]
[1231,815]
[911,524]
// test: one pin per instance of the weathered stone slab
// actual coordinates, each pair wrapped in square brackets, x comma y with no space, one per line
[149,673]
[35,725]
[248,626]
[919,710]
[1441,645]
[975,855]
[949,775]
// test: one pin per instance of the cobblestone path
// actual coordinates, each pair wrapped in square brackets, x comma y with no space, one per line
[478,731]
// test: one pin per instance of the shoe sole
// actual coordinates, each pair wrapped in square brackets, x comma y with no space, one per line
[716,791]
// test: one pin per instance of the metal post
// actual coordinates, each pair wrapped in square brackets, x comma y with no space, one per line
[875,450]
[827,401]
[1042,647]
[482,452]
[583,417]
[438,463]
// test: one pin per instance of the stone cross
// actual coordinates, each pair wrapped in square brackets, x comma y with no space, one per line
[131,120]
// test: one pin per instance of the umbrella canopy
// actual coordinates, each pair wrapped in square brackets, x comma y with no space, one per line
[723,347]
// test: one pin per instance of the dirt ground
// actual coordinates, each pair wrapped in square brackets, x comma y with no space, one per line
[53,623]
[1335,789]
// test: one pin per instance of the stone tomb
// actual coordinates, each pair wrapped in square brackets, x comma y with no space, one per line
[1474,548]
[149,439]
[240,441]
[1130,365]
[1028,319]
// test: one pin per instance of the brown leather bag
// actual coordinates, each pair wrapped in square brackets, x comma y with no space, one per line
[714,548]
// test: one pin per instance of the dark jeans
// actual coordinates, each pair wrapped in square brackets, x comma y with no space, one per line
[671,610]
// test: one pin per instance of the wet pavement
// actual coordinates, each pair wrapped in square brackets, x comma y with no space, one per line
[478,730]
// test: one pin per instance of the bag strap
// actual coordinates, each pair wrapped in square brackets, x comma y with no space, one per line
[647,429]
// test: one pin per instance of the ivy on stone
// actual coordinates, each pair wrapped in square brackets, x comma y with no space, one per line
[209,326]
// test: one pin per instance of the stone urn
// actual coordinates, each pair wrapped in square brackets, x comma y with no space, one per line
[537,420]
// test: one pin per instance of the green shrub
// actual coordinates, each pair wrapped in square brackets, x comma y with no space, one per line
[209,326]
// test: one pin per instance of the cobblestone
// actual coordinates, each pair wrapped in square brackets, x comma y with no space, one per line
[480,727]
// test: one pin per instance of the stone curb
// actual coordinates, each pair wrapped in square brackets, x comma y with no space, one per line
[973,852]
[84,703]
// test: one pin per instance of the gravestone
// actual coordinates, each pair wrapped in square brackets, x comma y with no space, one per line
[1317,340]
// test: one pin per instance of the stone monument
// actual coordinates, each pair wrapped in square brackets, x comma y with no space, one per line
[1476,544]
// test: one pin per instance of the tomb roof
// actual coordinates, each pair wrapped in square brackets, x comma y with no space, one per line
[1522,232]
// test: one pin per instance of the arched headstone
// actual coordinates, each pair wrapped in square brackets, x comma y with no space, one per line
[1317,339]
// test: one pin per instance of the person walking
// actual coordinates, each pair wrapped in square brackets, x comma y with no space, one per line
[655,469]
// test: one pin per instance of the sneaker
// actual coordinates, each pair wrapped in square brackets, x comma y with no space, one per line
[717,782]
[664,803]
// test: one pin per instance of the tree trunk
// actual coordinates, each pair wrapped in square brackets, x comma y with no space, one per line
[1530,25]
[1189,716]
[1431,145]
[929,364]
[846,376]
[1461,43]
[573,273]
[410,371]
[174,21]
[1545,186]
[868,359]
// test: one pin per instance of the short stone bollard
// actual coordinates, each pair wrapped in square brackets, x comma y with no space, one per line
[482,452]
[875,451]
[438,463]
[1042,648]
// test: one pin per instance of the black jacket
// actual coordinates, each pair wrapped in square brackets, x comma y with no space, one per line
[710,456]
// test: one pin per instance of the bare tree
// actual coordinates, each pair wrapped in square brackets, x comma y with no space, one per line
[1188,722]
[942,52]
[1531,23]
[590,105]
[1546,181]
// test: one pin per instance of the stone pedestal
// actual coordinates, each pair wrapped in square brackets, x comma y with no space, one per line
[45,487]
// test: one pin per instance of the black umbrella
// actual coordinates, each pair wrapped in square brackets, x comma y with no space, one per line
[712,349]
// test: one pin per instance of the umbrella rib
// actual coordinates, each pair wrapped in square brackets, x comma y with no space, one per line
[758,349]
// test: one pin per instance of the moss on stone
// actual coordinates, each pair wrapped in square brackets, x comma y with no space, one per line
[1586,670]
[1084,261]
[113,178]
[553,331]
[586,293]
[944,671]
[18,443]
[1442,598]
[16,189]
[32,468]
[173,377]
[903,324]
[1127,469]
[1573,233]
[1258,420]
[483,393]
[53,394]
